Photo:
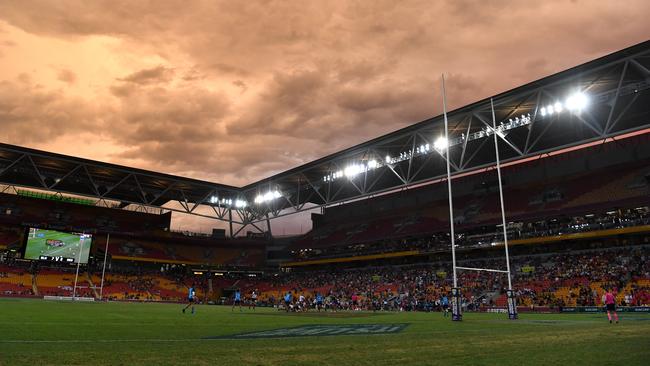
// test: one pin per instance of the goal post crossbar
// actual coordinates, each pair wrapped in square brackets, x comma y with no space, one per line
[482,269]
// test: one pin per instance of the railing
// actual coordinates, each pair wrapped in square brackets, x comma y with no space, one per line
[55,197]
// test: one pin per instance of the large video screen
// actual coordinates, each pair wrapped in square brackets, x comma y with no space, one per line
[57,246]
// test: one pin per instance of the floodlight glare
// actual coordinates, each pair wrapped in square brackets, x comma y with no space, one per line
[558,107]
[543,111]
[372,164]
[441,144]
[549,109]
[577,102]
[352,170]
[269,196]
[387,159]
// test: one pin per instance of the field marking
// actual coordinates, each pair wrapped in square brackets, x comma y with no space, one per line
[107,340]
[289,339]
[27,341]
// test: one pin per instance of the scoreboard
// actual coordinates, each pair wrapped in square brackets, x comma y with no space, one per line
[56,258]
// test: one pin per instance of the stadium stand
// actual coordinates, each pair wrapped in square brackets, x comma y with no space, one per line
[569,198]
[177,248]
[66,215]
[550,280]
[15,281]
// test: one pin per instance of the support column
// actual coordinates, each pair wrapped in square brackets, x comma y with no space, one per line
[268,226]
[230,221]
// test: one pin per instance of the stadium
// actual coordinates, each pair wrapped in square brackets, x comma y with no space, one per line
[494,233]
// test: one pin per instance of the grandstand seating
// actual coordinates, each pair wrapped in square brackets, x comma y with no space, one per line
[557,280]
[147,287]
[17,209]
[182,249]
[622,186]
[61,283]
[573,278]
[11,236]
[15,281]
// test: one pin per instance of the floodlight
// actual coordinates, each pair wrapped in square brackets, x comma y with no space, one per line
[549,109]
[352,170]
[577,101]
[558,107]
[441,143]
[372,164]
[543,111]
[387,158]
[271,195]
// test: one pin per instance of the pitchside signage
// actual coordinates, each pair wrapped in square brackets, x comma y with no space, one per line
[320,330]
[456,314]
[512,305]
[596,309]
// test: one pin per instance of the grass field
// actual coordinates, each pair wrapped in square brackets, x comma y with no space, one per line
[36,245]
[38,332]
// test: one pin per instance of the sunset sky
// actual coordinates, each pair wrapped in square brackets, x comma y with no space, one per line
[234,91]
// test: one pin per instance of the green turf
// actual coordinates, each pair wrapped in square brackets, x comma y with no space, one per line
[36,246]
[38,332]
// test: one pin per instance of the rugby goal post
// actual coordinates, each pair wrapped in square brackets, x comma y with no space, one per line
[456,295]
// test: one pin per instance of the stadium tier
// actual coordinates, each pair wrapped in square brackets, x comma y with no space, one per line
[176,248]
[539,196]
[547,277]
[21,209]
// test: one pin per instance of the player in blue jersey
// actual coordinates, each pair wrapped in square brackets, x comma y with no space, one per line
[445,304]
[191,299]
[319,301]
[237,301]
[287,301]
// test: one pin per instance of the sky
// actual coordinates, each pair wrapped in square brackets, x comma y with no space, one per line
[235,91]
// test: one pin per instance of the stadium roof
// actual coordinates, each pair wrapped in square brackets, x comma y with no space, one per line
[32,168]
[604,98]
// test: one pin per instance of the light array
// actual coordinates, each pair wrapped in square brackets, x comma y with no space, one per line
[267,197]
[441,143]
[238,203]
[352,170]
[574,103]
